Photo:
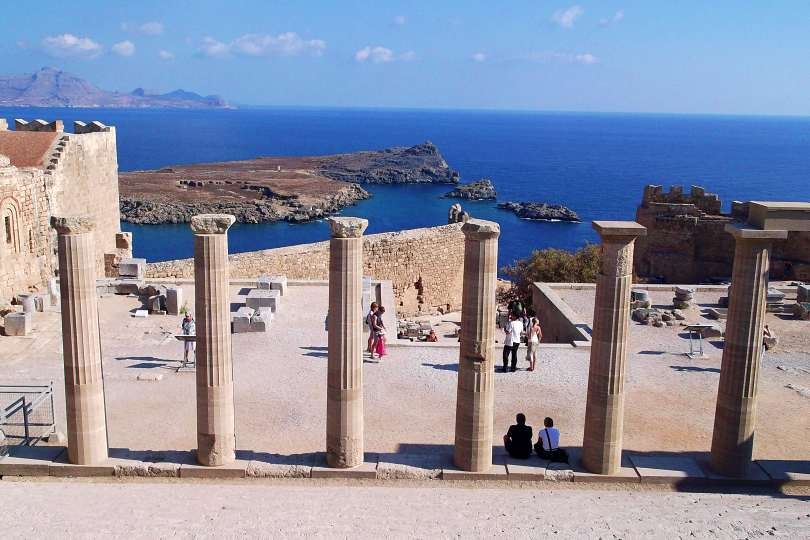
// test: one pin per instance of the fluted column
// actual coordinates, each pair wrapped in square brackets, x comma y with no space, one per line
[475,393]
[604,411]
[735,413]
[344,398]
[81,341]
[216,439]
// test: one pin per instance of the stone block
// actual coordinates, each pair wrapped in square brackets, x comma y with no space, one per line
[27,302]
[639,295]
[802,311]
[234,470]
[411,466]
[717,313]
[123,240]
[275,283]
[532,468]
[260,469]
[655,469]
[803,293]
[367,470]
[678,303]
[125,286]
[132,268]
[263,283]
[723,301]
[30,460]
[17,324]
[257,298]
[241,320]
[496,472]
[791,472]
[174,300]
[712,332]
[41,301]
[774,296]
[156,304]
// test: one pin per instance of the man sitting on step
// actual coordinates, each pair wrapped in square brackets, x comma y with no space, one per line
[548,443]
[518,440]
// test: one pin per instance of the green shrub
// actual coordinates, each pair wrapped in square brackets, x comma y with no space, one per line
[554,266]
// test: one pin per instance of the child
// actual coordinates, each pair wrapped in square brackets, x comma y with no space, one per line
[380,347]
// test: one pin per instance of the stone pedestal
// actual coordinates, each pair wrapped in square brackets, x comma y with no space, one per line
[216,440]
[604,411]
[81,341]
[735,414]
[476,386]
[344,399]
[28,303]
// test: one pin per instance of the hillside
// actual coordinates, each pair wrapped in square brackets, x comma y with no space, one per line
[50,87]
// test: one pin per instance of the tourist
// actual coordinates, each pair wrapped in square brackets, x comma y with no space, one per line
[524,318]
[533,342]
[379,332]
[371,322]
[548,443]
[518,440]
[189,328]
[512,342]
[432,337]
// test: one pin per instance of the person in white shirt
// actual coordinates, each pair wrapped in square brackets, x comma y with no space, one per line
[511,342]
[548,443]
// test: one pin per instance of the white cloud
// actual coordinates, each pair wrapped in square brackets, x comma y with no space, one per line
[166,55]
[479,57]
[382,55]
[400,20]
[614,19]
[566,18]
[285,44]
[214,49]
[151,28]
[70,46]
[124,48]
[378,54]
[586,59]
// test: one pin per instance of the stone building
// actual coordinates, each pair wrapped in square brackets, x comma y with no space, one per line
[687,241]
[45,171]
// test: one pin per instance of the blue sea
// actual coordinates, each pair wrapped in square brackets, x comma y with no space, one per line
[597,164]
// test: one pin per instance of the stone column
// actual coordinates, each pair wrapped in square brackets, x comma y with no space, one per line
[344,392]
[81,341]
[604,411]
[475,394]
[216,440]
[735,413]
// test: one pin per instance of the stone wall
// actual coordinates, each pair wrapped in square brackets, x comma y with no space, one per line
[78,174]
[424,265]
[686,241]
[559,322]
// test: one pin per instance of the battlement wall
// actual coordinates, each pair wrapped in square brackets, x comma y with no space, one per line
[425,266]
[697,196]
[78,176]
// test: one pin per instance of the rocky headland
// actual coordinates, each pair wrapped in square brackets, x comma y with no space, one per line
[294,189]
[479,190]
[540,211]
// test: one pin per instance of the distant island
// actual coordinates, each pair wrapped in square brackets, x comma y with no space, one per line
[51,87]
[294,189]
[540,211]
[479,190]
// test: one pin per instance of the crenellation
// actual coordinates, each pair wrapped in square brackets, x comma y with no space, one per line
[95,126]
[39,125]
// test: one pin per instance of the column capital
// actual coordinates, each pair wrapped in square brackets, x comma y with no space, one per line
[347,227]
[73,224]
[621,231]
[212,223]
[763,235]
[479,229]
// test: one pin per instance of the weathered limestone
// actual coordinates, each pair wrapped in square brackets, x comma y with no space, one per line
[476,385]
[344,401]
[604,411]
[735,415]
[216,440]
[81,341]
[17,324]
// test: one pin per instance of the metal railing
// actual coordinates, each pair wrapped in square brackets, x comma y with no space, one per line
[26,413]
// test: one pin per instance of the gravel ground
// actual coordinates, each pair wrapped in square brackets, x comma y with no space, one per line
[259,510]
[280,381]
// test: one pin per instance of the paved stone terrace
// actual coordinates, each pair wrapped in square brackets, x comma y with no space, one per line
[280,380]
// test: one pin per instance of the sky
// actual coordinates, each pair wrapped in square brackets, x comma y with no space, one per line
[716,57]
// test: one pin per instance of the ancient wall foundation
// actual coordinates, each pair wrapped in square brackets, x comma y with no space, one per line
[686,240]
[424,266]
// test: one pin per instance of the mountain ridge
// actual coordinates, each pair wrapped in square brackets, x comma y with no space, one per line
[50,87]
